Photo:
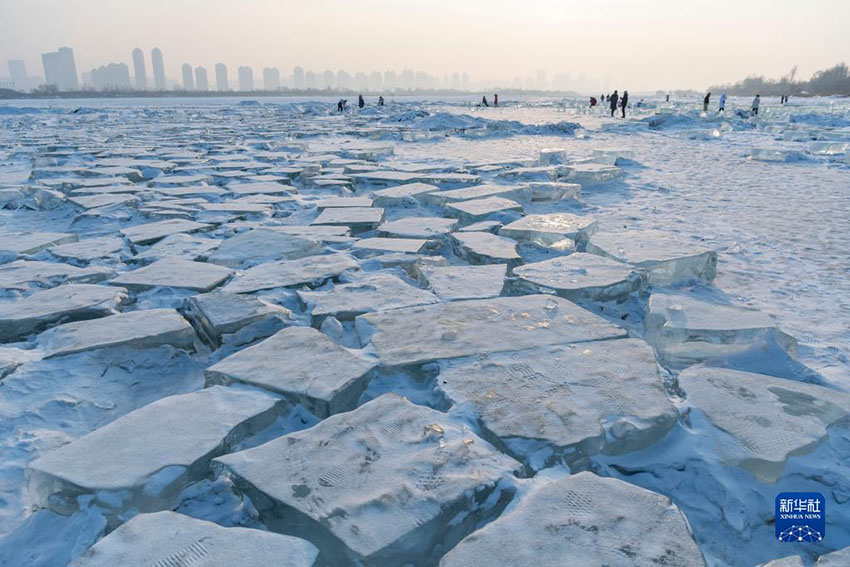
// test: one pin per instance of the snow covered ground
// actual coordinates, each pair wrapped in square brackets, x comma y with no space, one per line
[152,249]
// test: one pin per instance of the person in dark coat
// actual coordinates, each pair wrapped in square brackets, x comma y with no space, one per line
[484,101]
[624,101]
[614,98]
[705,102]
[360,102]
[380,101]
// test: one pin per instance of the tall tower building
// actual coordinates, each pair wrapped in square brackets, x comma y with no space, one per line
[220,77]
[18,73]
[298,78]
[188,78]
[201,82]
[246,78]
[60,69]
[158,69]
[139,72]
[271,79]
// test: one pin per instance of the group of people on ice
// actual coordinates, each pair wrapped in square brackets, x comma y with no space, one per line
[343,103]
[614,101]
[754,107]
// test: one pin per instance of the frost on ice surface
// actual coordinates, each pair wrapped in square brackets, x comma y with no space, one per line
[320,374]
[586,521]
[381,483]
[464,328]
[167,538]
[173,440]
[762,421]
[576,400]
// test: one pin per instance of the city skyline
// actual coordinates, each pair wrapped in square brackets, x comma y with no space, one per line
[116,76]
[690,46]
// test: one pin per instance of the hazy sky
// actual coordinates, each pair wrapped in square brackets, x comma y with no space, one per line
[639,45]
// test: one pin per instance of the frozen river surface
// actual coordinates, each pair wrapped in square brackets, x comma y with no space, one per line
[426,333]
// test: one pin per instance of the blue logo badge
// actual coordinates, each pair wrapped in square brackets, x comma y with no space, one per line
[800,517]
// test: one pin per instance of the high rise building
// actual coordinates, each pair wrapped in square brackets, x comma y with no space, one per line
[188,78]
[328,79]
[112,77]
[298,78]
[140,74]
[221,77]
[271,79]
[60,69]
[201,82]
[158,69]
[310,80]
[246,78]
[18,74]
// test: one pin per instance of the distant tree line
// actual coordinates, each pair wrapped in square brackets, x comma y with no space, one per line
[832,81]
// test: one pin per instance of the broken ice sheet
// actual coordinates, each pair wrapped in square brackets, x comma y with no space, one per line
[571,401]
[144,458]
[668,258]
[762,421]
[583,520]
[378,292]
[69,302]
[382,484]
[685,330]
[462,328]
[321,375]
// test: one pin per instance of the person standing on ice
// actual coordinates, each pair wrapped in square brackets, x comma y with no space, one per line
[592,101]
[360,102]
[380,101]
[705,102]
[614,98]
[495,100]
[484,100]
[722,107]
[624,101]
[756,102]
